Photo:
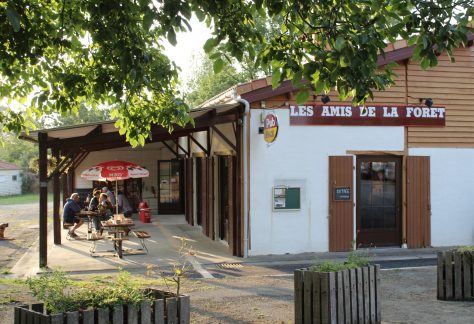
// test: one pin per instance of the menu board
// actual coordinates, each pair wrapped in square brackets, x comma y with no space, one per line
[285,198]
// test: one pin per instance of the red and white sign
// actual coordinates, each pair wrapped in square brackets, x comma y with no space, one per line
[375,115]
[270,128]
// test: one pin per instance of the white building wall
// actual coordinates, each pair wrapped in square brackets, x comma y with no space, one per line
[8,186]
[299,157]
[452,203]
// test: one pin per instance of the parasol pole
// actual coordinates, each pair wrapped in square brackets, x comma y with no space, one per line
[116,196]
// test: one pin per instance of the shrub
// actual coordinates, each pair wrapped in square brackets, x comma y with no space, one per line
[59,293]
[355,259]
[469,248]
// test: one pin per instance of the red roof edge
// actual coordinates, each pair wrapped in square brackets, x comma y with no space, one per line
[8,166]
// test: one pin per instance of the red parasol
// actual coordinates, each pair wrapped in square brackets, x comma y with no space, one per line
[114,171]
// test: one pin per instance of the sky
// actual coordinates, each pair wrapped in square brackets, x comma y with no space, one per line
[188,49]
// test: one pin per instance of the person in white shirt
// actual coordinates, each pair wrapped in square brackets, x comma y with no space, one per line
[124,205]
[110,195]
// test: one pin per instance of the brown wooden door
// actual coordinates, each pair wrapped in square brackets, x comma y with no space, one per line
[379,201]
[189,193]
[341,230]
[418,202]
[209,230]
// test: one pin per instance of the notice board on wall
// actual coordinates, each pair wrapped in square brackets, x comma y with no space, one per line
[286,198]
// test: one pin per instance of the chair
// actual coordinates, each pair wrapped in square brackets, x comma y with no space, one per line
[142,235]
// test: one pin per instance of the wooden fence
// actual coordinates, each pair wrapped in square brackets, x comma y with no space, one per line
[455,275]
[169,310]
[347,296]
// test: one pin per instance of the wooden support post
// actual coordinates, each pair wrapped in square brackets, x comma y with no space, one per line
[70,182]
[43,199]
[65,186]
[56,202]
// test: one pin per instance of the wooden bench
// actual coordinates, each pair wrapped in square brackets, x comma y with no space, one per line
[142,235]
[2,230]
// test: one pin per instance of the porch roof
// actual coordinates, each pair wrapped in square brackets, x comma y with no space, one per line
[104,135]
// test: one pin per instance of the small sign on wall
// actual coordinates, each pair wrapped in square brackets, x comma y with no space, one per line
[270,128]
[286,198]
[342,193]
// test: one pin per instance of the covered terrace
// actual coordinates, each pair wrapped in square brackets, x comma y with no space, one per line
[217,132]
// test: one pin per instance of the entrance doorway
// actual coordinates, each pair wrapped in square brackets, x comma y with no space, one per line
[171,187]
[379,201]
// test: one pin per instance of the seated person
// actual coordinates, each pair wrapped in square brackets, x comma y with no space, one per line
[71,208]
[105,209]
[94,206]
[94,203]
[105,206]
[124,205]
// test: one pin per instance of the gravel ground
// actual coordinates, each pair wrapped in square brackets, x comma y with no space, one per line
[22,232]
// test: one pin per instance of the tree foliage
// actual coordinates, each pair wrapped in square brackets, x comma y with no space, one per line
[205,84]
[58,55]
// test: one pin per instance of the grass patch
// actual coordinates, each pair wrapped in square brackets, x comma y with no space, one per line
[20,199]
[29,198]
[469,248]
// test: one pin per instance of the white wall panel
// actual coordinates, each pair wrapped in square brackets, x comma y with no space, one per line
[300,153]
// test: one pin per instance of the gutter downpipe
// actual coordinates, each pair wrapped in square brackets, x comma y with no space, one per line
[245,170]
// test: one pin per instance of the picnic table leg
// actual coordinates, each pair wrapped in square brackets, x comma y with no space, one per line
[119,249]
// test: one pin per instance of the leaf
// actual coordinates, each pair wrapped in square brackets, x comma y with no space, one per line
[172,37]
[340,43]
[302,97]
[218,65]
[14,18]
[425,63]
[209,45]
[342,62]
[276,76]
[148,20]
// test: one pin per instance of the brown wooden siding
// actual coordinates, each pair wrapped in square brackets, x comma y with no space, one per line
[418,201]
[341,220]
[448,84]
[451,85]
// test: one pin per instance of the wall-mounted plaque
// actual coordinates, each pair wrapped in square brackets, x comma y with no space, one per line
[342,193]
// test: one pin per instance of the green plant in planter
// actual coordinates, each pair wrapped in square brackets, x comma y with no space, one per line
[181,267]
[468,248]
[59,293]
[355,259]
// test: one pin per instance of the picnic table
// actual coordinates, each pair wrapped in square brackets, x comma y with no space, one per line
[119,231]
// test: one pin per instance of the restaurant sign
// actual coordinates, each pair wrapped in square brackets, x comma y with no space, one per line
[270,128]
[375,115]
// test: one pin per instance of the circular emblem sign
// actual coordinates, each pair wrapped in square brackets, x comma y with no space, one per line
[270,128]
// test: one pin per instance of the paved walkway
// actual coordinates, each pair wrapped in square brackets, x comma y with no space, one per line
[166,232]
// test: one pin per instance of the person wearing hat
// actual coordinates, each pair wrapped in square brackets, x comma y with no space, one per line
[110,195]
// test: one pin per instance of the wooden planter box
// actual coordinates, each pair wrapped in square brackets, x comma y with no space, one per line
[165,309]
[347,296]
[455,275]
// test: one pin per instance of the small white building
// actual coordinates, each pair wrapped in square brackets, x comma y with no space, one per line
[10,179]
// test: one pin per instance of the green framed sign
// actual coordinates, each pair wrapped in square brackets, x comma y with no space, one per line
[286,198]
